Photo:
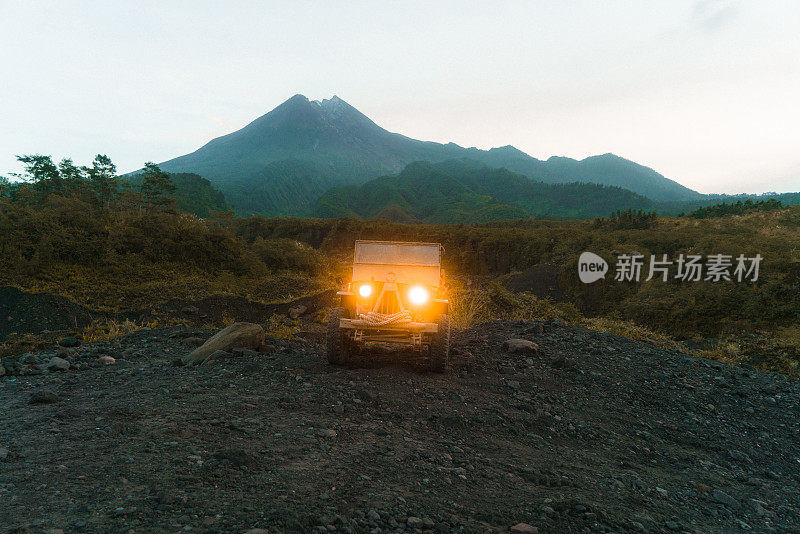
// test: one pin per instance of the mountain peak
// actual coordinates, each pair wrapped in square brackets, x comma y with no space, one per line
[284,160]
[508,150]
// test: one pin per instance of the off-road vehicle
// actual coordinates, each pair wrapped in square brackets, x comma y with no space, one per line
[396,295]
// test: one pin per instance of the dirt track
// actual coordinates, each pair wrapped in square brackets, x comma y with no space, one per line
[594,433]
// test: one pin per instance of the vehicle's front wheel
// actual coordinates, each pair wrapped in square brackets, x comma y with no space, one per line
[336,342]
[439,349]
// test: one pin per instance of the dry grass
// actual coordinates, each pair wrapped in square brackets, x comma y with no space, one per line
[281,327]
[632,331]
[136,287]
[467,307]
[108,329]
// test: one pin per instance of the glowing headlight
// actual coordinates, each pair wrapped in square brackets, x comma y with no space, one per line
[418,295]
[365,290]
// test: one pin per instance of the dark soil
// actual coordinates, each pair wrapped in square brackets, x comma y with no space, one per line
[593,433]
[22,312]
[31,313]
[215,309]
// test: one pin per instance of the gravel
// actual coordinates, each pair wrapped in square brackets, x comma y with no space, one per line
[610,441]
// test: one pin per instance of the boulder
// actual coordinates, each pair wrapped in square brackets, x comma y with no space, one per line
[218,355]
[521,346]
[106,360]
[236,336]
[43,396]
[297,311]
[57,364]
[723,498]
[524,528]
[69,342]
[237,457]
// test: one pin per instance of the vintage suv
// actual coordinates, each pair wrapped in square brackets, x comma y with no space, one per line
[396,296]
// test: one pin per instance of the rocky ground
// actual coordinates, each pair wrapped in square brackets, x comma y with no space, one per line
[591,433]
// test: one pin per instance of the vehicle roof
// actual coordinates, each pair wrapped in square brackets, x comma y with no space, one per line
[417,243]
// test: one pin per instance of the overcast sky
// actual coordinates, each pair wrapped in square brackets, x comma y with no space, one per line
[706,92]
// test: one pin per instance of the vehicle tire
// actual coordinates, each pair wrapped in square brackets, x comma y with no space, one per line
[439,349]
[335,340]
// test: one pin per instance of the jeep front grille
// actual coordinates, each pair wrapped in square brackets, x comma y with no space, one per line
[388,303]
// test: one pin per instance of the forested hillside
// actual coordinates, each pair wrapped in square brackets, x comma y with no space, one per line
[465,191]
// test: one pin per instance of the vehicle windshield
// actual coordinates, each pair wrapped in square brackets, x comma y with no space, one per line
[397,254]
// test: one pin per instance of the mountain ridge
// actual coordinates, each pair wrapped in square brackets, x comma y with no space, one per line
[466,191]
[330,143]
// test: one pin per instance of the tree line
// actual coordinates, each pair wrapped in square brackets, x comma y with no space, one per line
[97,184]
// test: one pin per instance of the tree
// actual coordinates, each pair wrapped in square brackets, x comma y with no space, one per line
[6,188]
[72,177]
[41,172]
[103,178]
[156,185]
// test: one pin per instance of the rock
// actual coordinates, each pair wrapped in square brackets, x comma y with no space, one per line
[520,345]
[43,396]
[218,355]
[297,311]
[65,353]
[562,363]
[194,341]
[414,522]
[524,528]
[57,364]
[758,507]
[327,433]
[3,453]
[31,369]
[702,488]
[258,531]
[237,335]
[106,360]
[513,384]
[237,457]
[373,515]
[69,342]
[723,498]
[739,456]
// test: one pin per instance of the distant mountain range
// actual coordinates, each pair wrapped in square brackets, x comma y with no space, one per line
[295,159]
[466,191]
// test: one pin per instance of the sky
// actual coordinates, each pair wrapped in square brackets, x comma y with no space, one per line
[706,92]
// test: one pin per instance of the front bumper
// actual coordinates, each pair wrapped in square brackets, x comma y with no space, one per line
[358,324]
[415,334]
